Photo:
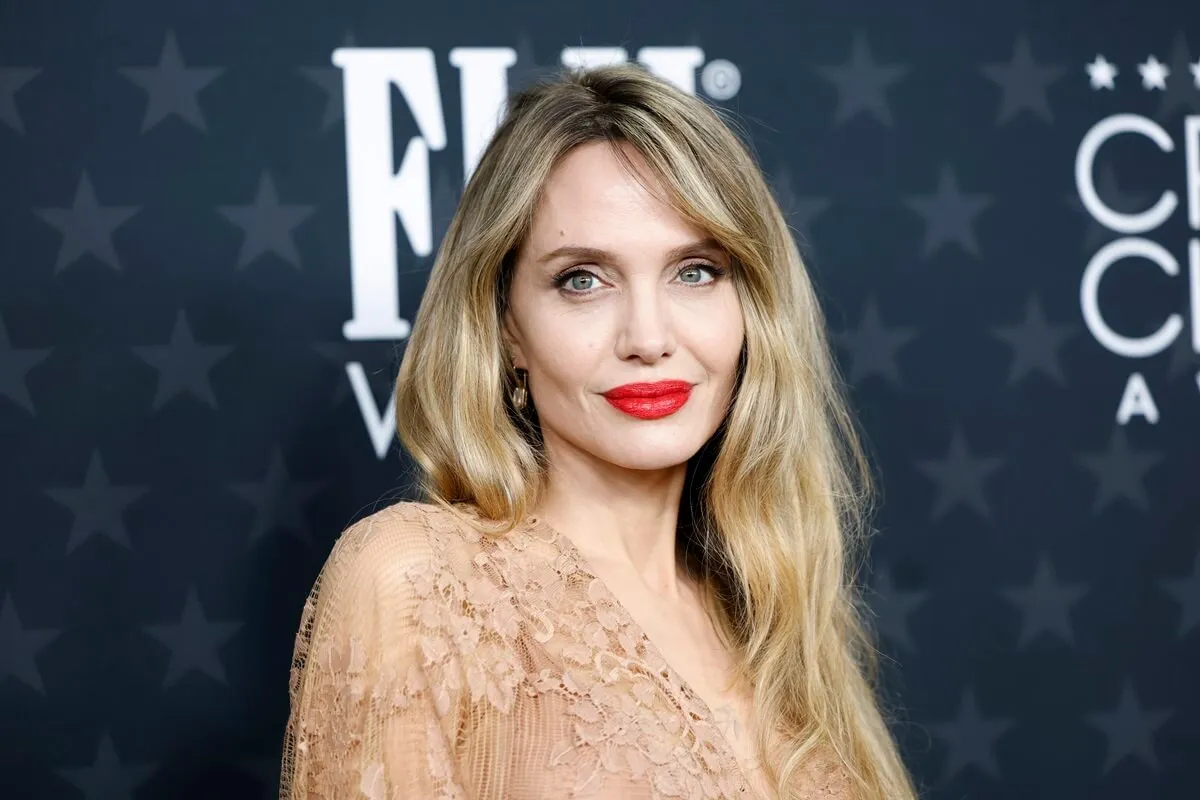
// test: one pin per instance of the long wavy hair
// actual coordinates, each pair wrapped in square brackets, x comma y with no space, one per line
[773,522]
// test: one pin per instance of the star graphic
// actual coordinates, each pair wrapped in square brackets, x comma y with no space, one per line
[15,364]
[1154,74]
[1102,74]
[97,505]
[873,346]
[87,226]
[1024,82]
[1035,343]
[1120,472]
[1115,198]
[861,83]
[1045,604]
[194,641]
[12,80]
[1177,94]
[1129,728]
[801,210]
[1184,358]
[959,477]
[267,224]
[892,608]
[183,365]
[107,778]
[279,500]
[329,80]
[1195,68]
[171,87]
[19,646]
[970,739]
[1186,592]
[949,215]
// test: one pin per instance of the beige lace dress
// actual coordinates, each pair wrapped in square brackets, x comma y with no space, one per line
[434,662]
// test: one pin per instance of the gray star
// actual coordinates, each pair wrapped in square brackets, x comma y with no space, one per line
[330,81]
[960,477]
[970,739]
[183,365]
[97,505]
[1187,592]
[267,225]
[1115,198]
[801,210]
[107,778]
[1045,604]
[892,608]
[172,88]
[1121,472]
[873,346]
[949,214]
[1181,92]
[19,646]
[1024,83]
[1184,359]
[194,641]
[1035,343]
[15,364]
[87,227]
[1129,729]
[12,80]
[278,500]
[861,83]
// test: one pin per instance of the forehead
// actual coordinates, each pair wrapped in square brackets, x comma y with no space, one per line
[593,192]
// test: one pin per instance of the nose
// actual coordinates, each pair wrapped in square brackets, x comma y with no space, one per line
[646,327]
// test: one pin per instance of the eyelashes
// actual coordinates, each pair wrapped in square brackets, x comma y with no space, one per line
[560,281]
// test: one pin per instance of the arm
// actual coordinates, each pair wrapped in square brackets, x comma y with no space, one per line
[374,704]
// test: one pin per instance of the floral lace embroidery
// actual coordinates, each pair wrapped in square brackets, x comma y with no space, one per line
[433,661]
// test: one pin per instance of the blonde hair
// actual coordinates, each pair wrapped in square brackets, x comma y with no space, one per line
[776,503]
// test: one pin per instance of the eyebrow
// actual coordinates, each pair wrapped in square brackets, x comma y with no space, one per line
[707,246]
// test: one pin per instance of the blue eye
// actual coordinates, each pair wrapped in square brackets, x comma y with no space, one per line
[562,278]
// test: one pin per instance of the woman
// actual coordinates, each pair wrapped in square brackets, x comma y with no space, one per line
[631,574]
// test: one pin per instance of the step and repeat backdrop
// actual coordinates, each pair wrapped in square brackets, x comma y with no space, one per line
[203,305]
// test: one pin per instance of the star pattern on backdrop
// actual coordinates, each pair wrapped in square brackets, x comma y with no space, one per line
[1102,73]
[86,227]
[1121,472]
[1154,74]
[15,365]
[329,80]
[1179,94]
[862,83]
[801,211]
[98,506]
[873,346]
[1186,592]
[268,225]
[970,739]
[279,500]
[950,215]
[960,476]
[1130,729]
[1024,83]
[1035,344]
[172,88]
[1045,604]
[183,365]
[1113,195]
[194,642]
[892,608]
[20,646]
[12,81]
[108,777]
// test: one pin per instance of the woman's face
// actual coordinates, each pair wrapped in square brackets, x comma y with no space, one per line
[613,287]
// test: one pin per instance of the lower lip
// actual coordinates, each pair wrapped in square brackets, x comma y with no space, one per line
[650,407]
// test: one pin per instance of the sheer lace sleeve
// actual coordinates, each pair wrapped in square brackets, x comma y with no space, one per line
[374,690]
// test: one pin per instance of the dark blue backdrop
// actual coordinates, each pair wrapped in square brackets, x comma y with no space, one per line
[187,422]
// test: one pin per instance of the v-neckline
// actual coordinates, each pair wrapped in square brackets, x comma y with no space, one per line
[579,562]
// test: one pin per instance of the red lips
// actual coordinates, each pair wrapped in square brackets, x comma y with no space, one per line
[656,389]
[650,400]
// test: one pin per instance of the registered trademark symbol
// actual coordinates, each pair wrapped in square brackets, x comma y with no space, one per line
[720,79]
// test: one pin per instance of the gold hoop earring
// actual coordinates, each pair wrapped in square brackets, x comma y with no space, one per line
[520,394]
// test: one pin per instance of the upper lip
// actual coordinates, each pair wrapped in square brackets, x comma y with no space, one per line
[656,389]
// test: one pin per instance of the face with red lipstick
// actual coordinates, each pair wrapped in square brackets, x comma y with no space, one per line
[625,317]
